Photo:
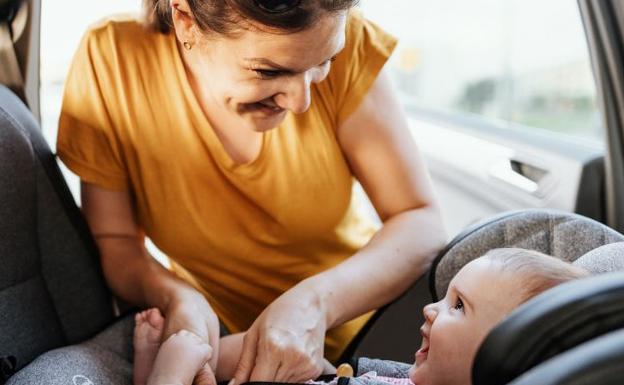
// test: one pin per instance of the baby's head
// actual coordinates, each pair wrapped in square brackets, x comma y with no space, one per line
[481,294]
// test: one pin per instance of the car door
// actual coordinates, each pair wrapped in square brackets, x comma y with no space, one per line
[502,102]
[603,23]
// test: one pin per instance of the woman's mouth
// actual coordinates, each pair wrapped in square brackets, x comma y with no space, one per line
[266,108]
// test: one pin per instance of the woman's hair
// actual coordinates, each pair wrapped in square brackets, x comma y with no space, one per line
[224,16]
[541,271]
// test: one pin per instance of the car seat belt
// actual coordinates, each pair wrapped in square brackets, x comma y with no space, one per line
[10,31]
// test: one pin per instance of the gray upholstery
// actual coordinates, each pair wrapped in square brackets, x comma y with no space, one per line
[52,291]
[564,235]
[597,362]
[603,259]
[105,359]
[550,324]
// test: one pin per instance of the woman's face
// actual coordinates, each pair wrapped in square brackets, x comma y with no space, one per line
[257,76]
[478,298]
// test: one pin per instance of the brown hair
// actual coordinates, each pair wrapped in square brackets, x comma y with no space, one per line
[224,16]
[543,271]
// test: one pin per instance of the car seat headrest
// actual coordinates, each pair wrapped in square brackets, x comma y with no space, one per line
[603,259]
[551,323]
[560,234]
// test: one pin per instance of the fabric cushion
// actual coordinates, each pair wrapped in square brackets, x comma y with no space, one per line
[603,259]
[105,359]
[52,291]
[551,323]
[597,362]
[560,234]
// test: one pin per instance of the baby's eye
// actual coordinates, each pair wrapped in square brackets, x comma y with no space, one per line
[459,305]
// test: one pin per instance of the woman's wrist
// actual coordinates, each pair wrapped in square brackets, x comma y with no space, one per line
[320,296]
[168,290]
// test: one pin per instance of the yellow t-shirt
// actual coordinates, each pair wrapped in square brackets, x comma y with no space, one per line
[242,234]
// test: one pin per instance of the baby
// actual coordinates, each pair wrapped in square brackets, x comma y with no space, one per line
[482,293]
[179,358]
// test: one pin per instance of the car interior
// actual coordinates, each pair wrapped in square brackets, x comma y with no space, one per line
[53,293]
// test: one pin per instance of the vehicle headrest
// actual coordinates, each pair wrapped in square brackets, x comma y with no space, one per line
[597,362]
[551,323]
[560,234]
[603,259]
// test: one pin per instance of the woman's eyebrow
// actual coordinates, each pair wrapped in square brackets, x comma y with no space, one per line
[270,63]
[267,62]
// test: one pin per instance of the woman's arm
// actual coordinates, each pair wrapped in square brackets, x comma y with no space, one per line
[285,343]
[130,271]
[383,156]
[135,276]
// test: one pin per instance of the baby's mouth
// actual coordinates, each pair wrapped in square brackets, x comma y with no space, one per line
[422,353]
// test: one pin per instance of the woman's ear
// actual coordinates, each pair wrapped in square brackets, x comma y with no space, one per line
[183,22]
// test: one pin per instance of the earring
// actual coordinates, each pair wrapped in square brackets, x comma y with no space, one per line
[187,45]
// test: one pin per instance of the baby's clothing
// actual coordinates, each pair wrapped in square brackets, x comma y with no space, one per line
[373,372]
[366,377]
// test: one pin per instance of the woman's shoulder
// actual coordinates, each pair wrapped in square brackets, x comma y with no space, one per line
[367,48]
[363,33]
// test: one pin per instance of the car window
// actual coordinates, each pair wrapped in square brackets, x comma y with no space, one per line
[511,62]
[63,22]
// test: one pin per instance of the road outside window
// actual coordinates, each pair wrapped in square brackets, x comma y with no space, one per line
[522,62]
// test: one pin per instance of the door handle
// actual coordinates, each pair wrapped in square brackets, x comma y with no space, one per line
[521,175]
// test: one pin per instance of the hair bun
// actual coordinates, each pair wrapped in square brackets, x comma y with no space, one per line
[277,6]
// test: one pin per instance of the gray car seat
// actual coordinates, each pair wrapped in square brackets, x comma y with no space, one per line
[557,320]
[597,362]
[552,323]
[52,291]
[560,234]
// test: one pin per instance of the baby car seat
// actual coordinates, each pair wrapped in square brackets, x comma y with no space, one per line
[563,318]
[531,345]
[597,362]
[560,234]
[52,291]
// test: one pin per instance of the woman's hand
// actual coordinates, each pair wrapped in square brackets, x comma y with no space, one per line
[189,310]
[286,342]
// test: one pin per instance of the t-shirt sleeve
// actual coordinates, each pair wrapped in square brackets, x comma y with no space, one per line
[87,140]
[367,49]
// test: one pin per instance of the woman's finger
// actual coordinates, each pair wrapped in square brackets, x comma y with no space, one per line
[301,373]
[205,376]
[265,367]
[247,359]
[282,374]
[328,367]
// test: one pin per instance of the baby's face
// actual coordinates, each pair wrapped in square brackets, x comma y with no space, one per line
[477,299]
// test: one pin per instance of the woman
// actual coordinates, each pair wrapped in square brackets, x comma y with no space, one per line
[229,132]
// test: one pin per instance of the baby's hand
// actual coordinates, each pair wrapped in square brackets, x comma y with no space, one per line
[179,359]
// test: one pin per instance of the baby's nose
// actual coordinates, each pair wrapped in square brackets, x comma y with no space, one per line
[430,312]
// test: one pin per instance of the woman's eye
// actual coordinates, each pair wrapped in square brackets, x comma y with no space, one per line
[268,74]
[459,305]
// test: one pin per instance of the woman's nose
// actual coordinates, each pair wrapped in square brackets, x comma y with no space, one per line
[430,312]
[296,97]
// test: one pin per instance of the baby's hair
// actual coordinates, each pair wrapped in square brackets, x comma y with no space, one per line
[542,271]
